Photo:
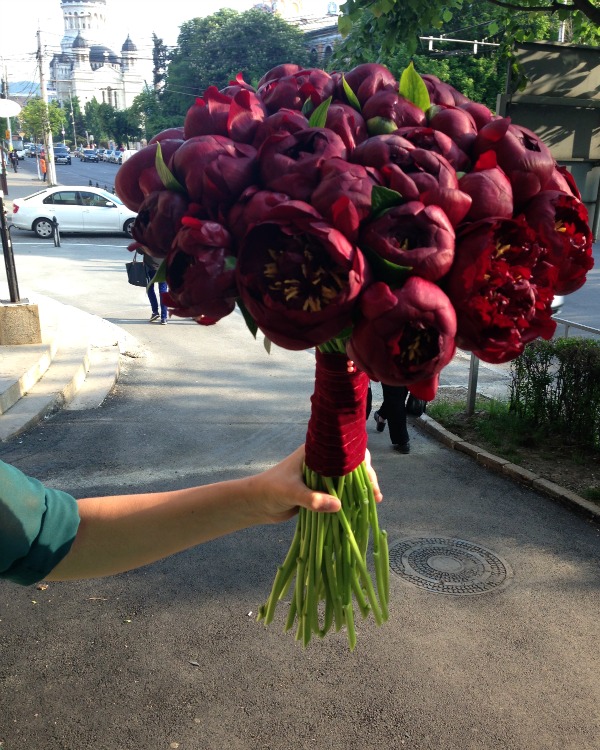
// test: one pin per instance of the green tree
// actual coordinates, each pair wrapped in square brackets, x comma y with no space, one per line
[213,50]
[403,21]
[148,115]
[38,119]
[100,121]
[480,76]
[160,60]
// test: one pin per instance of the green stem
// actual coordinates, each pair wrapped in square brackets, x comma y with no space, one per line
[364,573]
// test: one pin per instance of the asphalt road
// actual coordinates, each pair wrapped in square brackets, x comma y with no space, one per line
[171,656]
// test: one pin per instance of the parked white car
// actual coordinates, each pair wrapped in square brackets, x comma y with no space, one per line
[76,208]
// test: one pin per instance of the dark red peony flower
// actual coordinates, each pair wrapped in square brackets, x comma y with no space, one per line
[245,115]
[489,189]
[299,277]
[293,91]
[564,181]
[443,93]
[285,121]
[428,177]
[237,85]
[137,177]
[440,143]
[176,134]
[251,207]
[291,164]
[236,115]
[404,336]
[201,286]
[343,196]
[365,80]
[347,123]
[386,111]
[381,150]
[562,223]
[279,71]
[413,235]
[158,221]
[501,287]
[524,158]
[479,112]
[208,115]
[455,123]
[214,170]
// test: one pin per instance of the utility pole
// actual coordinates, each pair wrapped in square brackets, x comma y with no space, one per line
[8,123]
[47,130]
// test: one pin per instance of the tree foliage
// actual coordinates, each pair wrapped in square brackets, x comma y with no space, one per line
[36,116]
[160,60]
[211,51]
[404,21]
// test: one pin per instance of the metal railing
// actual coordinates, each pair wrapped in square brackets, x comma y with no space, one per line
[568,324]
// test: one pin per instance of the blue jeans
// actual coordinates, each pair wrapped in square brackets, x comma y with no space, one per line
[162,287]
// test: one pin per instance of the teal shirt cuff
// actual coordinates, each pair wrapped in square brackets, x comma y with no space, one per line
[37,526]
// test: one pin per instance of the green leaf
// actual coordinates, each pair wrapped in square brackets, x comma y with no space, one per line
[350,95]
[168,179]
[230,262]
[319,116]
[160,275]
[382,199]
[493,28]
[307,107]
[447,15]
[413,88]
[249,320]
[267,344]
[344,25]
[384,270]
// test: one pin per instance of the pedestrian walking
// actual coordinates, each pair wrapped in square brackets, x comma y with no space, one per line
[151,266]
[393,411]
[43,168]
[14,160]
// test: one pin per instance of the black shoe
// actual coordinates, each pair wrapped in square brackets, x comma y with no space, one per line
[402,447]
[380,422]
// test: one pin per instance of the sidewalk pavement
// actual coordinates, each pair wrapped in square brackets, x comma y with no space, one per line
[77,365]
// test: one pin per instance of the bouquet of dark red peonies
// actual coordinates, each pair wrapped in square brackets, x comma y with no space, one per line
[382,222]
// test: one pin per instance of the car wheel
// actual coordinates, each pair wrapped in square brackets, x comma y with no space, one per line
[43,228]
[128,227]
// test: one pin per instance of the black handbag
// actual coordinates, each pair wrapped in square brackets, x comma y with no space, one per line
[136,272]
[415,406]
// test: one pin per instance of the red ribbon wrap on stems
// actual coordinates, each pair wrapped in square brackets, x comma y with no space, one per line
[336,439]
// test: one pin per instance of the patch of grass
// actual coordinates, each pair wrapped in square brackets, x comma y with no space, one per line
[592,494]
[492,422]
[546,452]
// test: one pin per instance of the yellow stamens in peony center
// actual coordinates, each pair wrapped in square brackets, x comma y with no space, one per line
[559,226]
[501,249]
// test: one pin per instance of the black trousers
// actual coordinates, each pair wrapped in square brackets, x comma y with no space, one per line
[393,409]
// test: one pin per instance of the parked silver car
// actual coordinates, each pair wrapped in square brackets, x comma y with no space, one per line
[75,208]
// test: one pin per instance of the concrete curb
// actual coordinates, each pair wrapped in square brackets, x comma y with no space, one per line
[510,470]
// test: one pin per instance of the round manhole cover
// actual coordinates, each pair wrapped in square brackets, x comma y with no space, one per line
[448,566]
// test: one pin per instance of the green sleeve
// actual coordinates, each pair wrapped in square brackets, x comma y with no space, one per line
[37,526]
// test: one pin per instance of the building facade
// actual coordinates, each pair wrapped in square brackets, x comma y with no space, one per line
[86,68]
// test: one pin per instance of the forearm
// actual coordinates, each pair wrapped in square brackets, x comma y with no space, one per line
[124,532]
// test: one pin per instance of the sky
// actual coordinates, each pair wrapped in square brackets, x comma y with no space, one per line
[18,41]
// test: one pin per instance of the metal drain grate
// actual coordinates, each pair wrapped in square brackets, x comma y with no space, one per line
[448,566]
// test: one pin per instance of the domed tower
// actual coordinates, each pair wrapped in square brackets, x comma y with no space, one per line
[87,16]
[128,54]
[81,52]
